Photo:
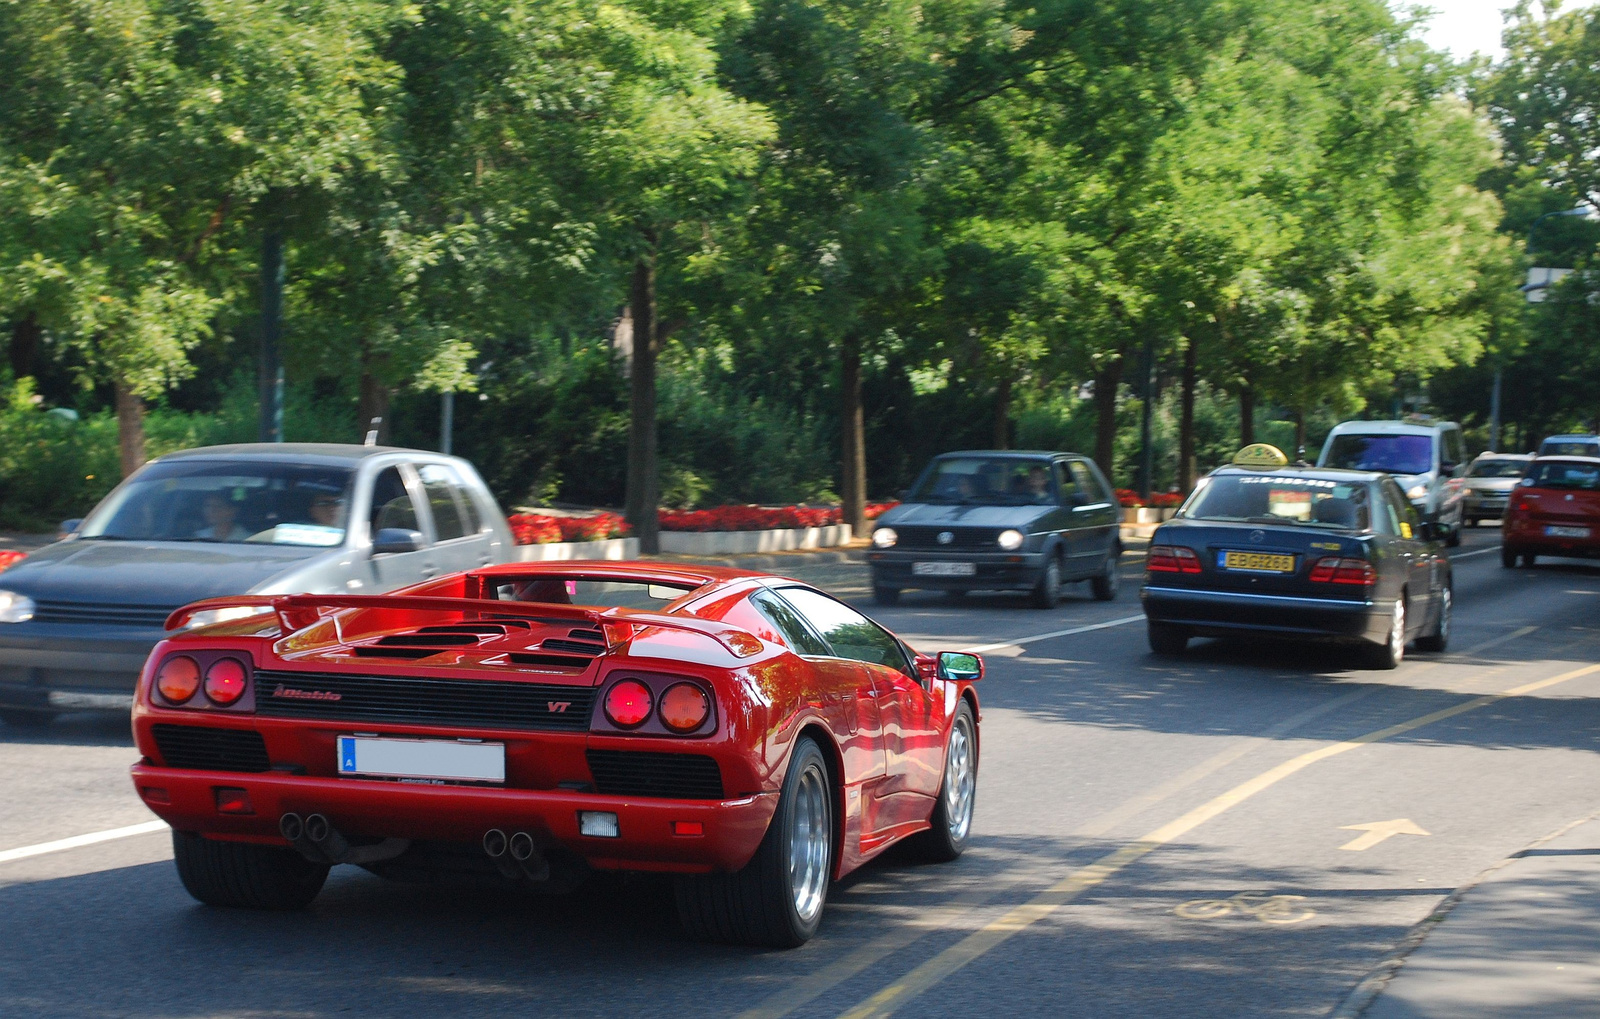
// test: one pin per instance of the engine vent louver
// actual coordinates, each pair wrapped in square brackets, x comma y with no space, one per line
[549,661]
[409,653]
[210,749]
[484,703]
[667,776]
[428,640]
[579,642]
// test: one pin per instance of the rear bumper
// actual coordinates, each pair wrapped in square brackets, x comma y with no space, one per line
[992,571]
[1487,504]
[1540,544]
[731,829]
[63,667]
[1214,613]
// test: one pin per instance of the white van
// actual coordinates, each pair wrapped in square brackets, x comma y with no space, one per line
[1426,457]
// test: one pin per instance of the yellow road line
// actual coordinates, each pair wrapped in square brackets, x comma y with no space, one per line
[1020,918]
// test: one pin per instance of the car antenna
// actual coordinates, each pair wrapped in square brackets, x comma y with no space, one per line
[372,432]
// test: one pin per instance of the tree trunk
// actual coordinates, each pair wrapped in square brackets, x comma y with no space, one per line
[1247,415]
[1002,415]
[1106,383]
[25,335]
[130,427]
[644,471]
[1186,459]
[852,429]
[373,403]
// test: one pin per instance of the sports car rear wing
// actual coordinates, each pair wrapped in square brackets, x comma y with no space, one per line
[299,611]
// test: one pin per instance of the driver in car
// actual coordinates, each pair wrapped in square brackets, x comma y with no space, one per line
[327,510]
[1037,485]
[222,520]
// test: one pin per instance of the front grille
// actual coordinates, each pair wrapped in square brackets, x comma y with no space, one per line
[642,773]
[207,749]
[104,613]
[493,704]
[961,538]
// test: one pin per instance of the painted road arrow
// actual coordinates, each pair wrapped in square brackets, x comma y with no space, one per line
[1376,831]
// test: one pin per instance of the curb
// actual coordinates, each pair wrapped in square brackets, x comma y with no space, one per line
[774,562]
[1373,984]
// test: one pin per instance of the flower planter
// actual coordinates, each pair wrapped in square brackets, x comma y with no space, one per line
[742,542]
[1147,514]
[605,548]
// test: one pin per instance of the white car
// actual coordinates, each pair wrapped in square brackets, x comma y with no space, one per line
[1425,457]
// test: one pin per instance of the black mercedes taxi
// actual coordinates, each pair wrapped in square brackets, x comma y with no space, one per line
[1262,547]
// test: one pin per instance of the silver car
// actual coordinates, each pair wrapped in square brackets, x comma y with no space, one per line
[78,617]
[1489,482]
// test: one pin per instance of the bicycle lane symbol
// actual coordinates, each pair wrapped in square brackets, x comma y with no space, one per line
[1264,906]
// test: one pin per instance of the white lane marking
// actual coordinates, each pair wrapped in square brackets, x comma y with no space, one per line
[1469,555]
[1124,621]
[76,841]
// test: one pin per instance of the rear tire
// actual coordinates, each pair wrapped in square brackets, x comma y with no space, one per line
[1105,584]
[1453,539]
[886,595]
[245,875]
[1529,560]
[1047,592]
[1391,652]
[776,899]
[22,718]
[1508,558]
[951,823]
[1437,641]
[1166,640]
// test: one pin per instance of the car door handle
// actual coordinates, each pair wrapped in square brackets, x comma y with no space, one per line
[428,571]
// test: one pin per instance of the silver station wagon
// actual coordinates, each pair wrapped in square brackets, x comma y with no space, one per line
[78,617]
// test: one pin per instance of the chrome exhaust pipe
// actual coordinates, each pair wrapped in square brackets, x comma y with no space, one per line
[496,846]
[335,848]
[317,828]
[291,827]
[532,862]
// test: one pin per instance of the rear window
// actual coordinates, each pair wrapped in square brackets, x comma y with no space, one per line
[1565,475]
[1498,469]
[1392,454]
[1574,448]
[1265,499]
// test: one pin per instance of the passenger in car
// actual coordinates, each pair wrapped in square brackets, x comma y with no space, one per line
[222,520]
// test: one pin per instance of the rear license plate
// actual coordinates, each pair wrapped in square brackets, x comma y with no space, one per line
[422,758]
[944,569]
[1258,562]
[1566,532]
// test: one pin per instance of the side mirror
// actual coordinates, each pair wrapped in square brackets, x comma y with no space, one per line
[1428,530]
[69,527]
[960,665]
[396,539]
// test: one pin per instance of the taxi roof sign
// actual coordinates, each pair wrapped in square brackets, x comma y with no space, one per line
[1260,454]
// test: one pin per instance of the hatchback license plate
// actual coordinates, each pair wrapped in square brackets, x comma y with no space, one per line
[1258,562]
[449,760]
[1566,532]
[944,569]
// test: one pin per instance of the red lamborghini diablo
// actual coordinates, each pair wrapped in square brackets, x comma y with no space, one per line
[527,723]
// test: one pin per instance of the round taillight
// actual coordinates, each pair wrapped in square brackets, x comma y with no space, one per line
[684,707]
[178,679]
[628,704]
[225,681]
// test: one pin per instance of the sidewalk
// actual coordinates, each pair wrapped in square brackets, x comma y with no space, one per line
[1524,941]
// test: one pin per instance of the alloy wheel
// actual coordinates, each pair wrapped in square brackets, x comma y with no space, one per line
[810,846]
[960,780]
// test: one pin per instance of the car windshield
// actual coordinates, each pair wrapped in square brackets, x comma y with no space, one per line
[1392,454]
[1268,499]
[1498,469]
[984,480]
[230,501]
[1572,448]
[1557,474]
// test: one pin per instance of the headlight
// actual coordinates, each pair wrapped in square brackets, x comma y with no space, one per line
[15,608]
[211,616]
[1417,492]
[884,537]
[1010,540]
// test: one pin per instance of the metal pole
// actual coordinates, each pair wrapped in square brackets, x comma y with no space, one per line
[1494,413]
[1146,454]
[447,421]
[272,273]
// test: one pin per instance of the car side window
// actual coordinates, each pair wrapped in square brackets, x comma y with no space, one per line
[789,625]
[391,503]
[848,632]
[1452,447]
[440,484]
[1402,515]
[1087,483]
[1067,485]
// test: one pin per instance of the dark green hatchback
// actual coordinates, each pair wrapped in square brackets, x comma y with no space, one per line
[991,520]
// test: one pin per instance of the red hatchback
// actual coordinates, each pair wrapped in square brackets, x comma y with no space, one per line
[1554,510]
[524,724]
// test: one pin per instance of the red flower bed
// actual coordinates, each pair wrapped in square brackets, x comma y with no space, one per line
[11,558]
[1160,500]
[538,529]
[1128,497]
[760,518]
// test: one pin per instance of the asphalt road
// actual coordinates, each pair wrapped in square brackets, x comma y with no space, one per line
[1153,837]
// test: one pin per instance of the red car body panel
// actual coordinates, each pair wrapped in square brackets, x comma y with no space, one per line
[1533,510]
[885,732]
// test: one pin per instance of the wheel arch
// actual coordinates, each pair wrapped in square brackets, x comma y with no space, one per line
[834,759]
